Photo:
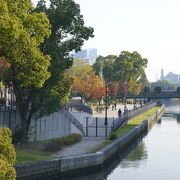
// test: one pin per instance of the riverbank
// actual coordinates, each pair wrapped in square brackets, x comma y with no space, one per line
[68,165]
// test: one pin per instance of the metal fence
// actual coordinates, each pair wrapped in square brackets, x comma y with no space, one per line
[98,128]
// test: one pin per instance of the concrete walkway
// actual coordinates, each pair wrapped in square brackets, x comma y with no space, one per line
[80,148]
[89,143]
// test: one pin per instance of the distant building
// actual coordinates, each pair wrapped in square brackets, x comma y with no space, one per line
[88,55]
[171,77]
[162,74]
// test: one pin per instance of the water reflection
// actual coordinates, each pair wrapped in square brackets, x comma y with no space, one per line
[135,157]
[132,157]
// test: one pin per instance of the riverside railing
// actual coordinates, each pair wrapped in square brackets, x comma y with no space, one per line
[118,122]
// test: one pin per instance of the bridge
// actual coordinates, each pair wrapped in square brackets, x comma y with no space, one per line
[152,95]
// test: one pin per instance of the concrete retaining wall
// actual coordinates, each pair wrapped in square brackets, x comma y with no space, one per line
[47,127]
[9,118]
[75,163]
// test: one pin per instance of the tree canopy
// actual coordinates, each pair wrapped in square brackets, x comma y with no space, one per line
[123,72]
[68,34]
[35,43]
[85,81]
[21,32]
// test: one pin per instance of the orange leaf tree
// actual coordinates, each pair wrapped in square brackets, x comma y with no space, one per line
[85,81]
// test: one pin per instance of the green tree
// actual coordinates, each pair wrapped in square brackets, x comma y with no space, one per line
[105,64]
[129,67]
[40,85]
[178,90]
[157,90]
[146,90]
[21,33]
[7,155]
[68,34]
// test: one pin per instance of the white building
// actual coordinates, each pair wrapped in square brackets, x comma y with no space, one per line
[88,55]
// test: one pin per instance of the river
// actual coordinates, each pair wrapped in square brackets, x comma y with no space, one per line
[155,156]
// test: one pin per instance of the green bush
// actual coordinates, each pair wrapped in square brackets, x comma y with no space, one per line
[7,155]
[58,143]
[17,135]
[113,136]
[53,145]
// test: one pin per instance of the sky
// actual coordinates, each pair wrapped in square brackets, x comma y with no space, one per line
[150,27]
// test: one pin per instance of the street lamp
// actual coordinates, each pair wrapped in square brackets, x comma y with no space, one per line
[125,92]
[106,108]
[106,100]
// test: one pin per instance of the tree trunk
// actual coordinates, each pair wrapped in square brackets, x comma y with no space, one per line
[26,121]
[25,111]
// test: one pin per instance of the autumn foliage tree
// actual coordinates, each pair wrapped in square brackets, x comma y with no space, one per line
[85,81]
[135,88]
[7,155]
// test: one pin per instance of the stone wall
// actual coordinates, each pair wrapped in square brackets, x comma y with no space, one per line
[68,164]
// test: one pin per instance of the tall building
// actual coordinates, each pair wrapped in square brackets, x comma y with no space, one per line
[171,77]
[88,55]
[162,74]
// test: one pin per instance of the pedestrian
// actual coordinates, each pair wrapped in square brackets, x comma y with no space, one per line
[115,105]
[112,107]
[125,109]
[119,113]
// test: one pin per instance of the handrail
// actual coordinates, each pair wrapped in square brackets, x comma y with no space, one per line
[73,120]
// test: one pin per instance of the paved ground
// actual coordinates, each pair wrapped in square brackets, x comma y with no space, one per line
[89,143]
[82,147]
[112,113]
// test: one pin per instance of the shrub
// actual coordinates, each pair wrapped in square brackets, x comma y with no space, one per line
[17,135]
[113,136]
[7,155]
[58,143]
[53,145]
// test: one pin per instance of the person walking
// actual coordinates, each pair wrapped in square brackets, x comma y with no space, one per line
[119,113]
[115,105]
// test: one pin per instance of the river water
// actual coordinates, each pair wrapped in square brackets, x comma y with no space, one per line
[155,156]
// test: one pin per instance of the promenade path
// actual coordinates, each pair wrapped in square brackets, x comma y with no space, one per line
[89,143]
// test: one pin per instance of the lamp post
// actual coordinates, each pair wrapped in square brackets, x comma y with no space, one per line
[106,108]
[106,100]
[125,92]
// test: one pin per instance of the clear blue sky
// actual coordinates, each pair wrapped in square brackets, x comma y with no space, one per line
[151,27]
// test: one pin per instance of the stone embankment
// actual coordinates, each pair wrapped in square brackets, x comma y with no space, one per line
[66,165]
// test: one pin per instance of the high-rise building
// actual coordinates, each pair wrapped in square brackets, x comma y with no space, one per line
[162,74]
[88,55]
[171,77]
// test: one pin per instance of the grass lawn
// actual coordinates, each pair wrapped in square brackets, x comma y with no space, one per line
[31,152]
[134,122]
[23,156]
[129,126]
[42,150]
